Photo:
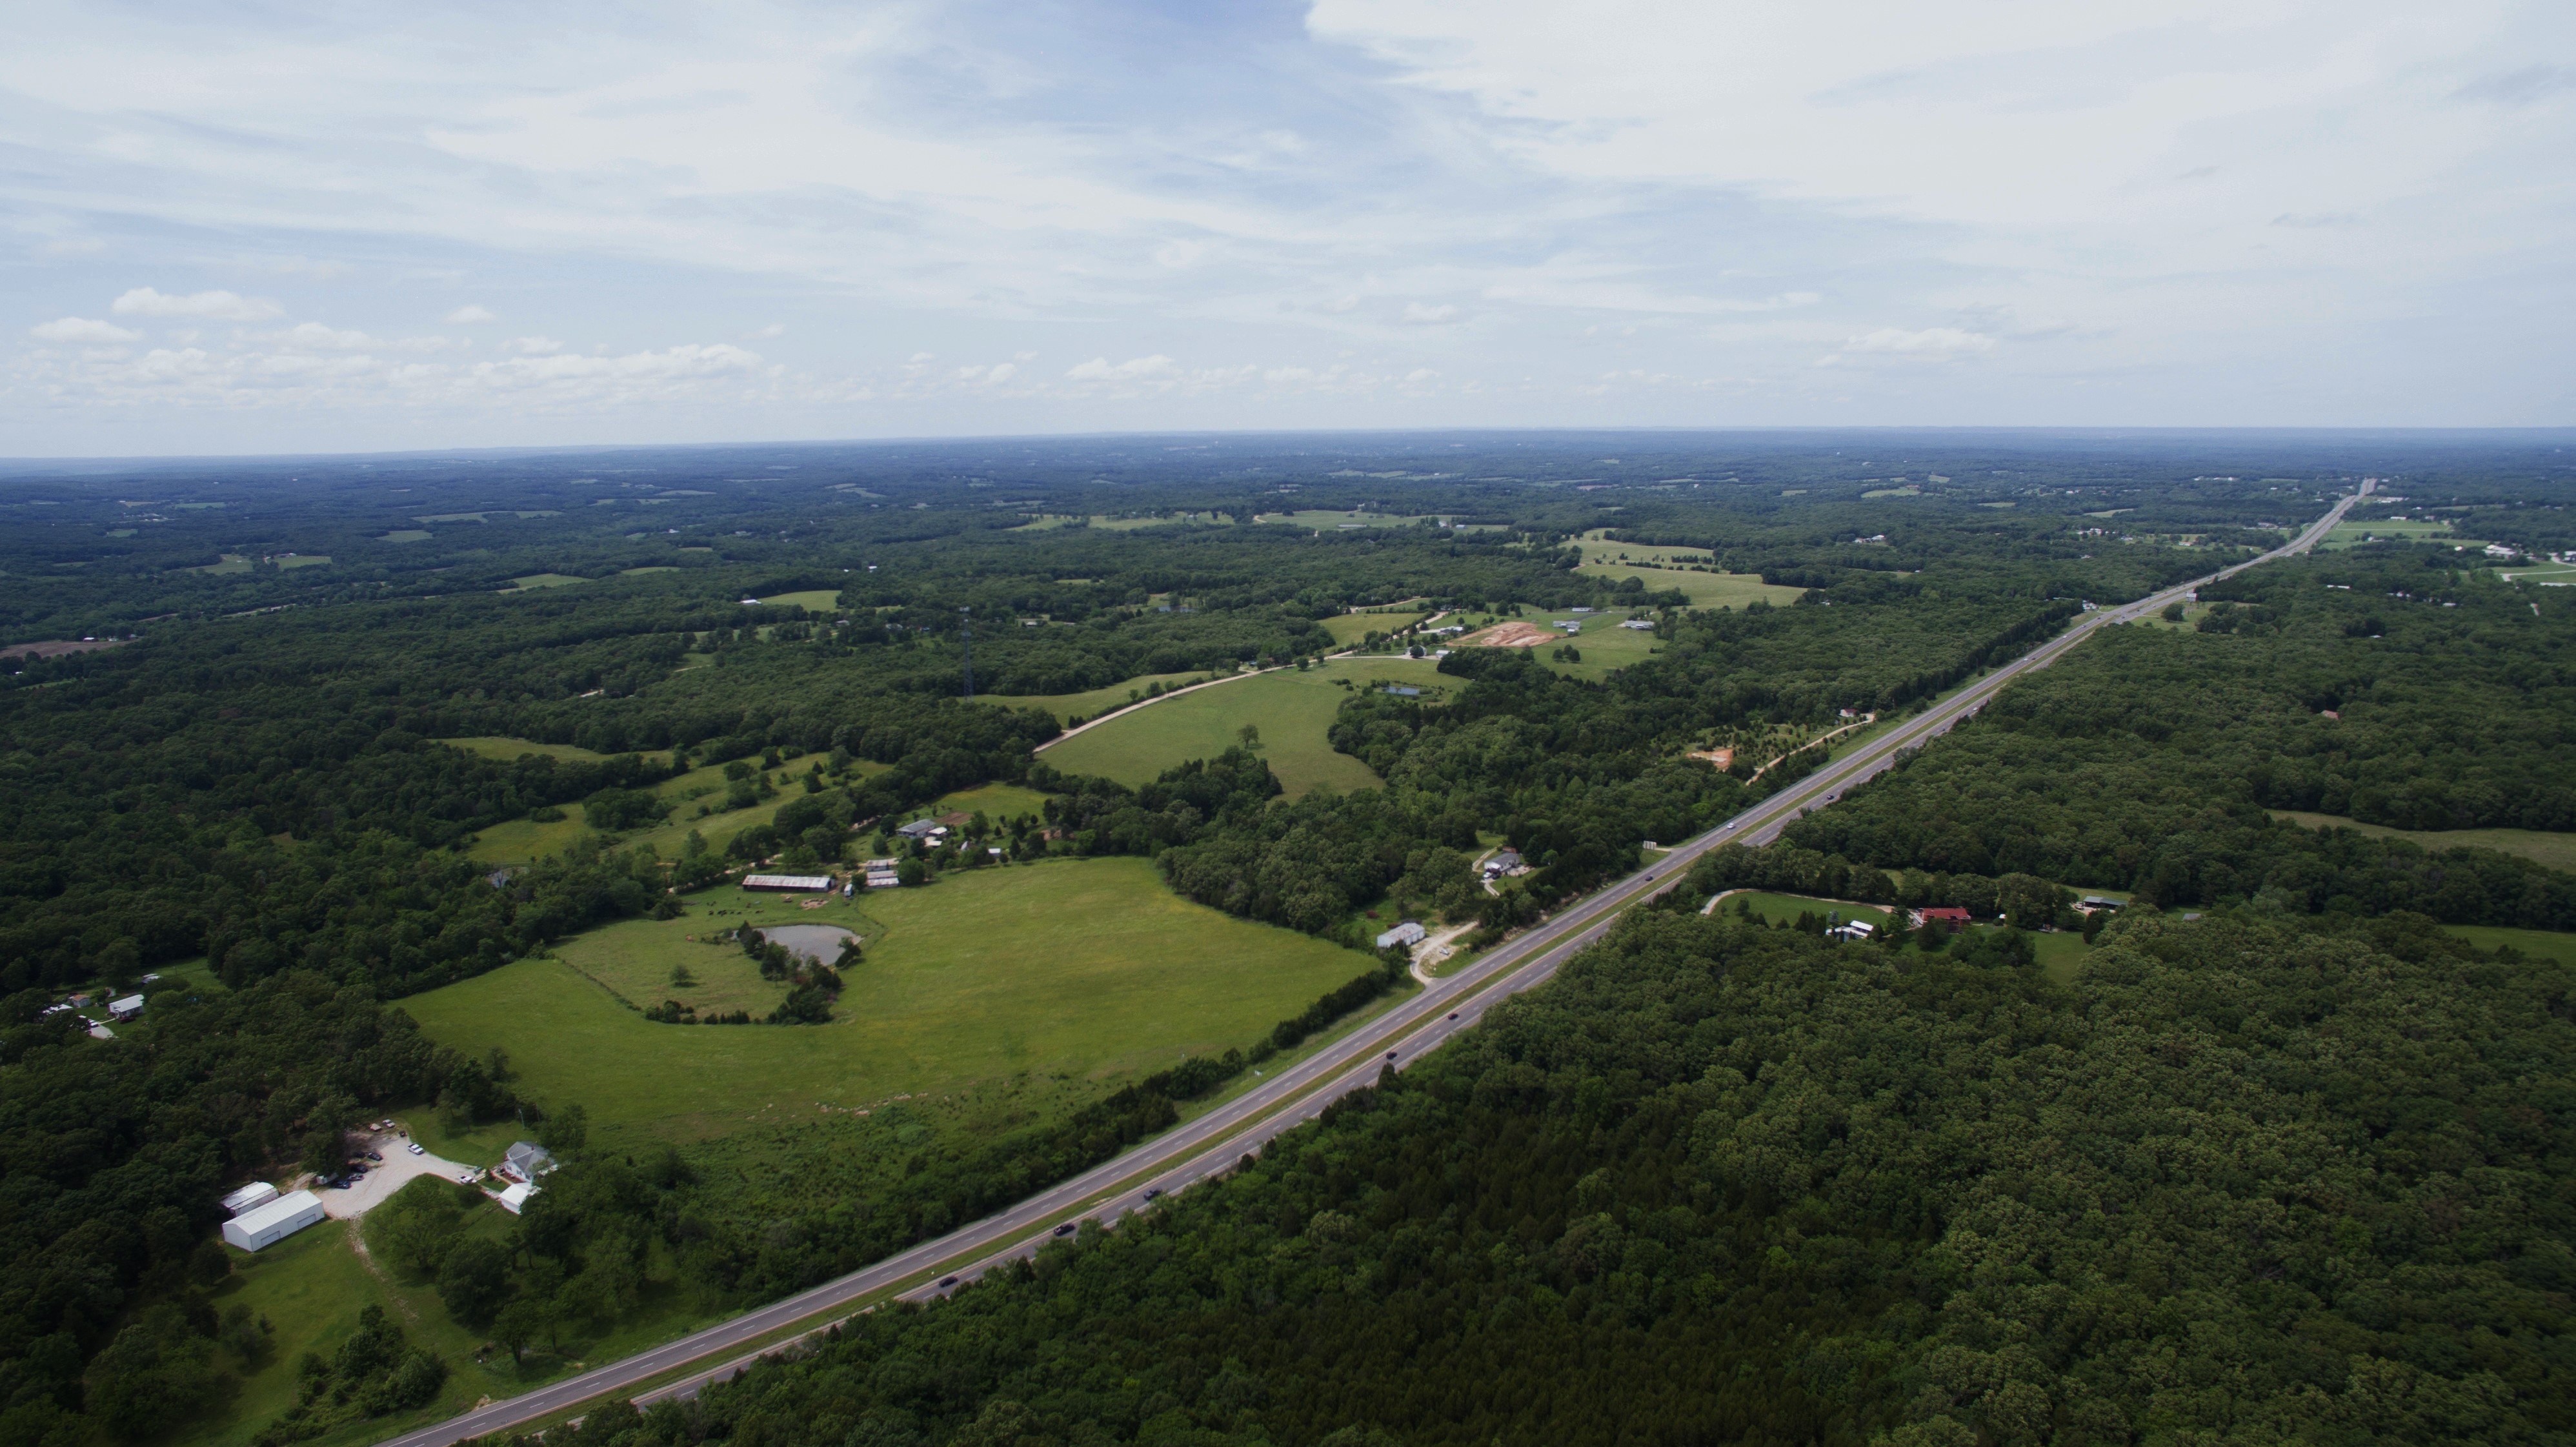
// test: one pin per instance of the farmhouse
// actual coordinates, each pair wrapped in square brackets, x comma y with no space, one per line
[1505,861]
[788,883]
[2092,902]
[526,1161]
[1407,934]
[1859,929]
[1949,914]
[127,1008]
[257,1193]
[1642,625]
[267,1225]
[920,829]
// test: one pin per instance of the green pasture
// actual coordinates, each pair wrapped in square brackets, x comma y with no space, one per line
[535,581]
[303,560]
[1350,628]
[232,563]
[1705,590]
[2059,952]
[2546,574]
[1069,706]
[1291,708]
[817,600]
[1606,647]
[2350,534]
[2557,851]
[1044,522]
[493,746]
[522,841]
[1086,969]
[640,572]
[994,801]
[1326,520]
[405,535]
[1907,490]
[2544,944]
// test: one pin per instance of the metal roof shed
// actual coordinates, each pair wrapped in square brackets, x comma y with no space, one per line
[267,1225]
[257,1193]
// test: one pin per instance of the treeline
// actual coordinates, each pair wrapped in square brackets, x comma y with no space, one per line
[1721,1183]
[117,1154]
[2151,759]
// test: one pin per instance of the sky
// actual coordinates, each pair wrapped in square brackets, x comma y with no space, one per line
[290,227]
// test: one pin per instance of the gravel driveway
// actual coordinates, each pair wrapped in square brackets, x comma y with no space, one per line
[399,1167]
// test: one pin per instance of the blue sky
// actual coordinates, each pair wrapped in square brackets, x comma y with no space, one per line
[287,227]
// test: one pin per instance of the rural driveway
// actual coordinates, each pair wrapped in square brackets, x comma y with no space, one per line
[399,1167]
[1218,1140]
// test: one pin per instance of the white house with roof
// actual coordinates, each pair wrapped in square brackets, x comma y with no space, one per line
[1407,934]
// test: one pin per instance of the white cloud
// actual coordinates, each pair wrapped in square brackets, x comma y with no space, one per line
[80,329]
[213,306]
[532,346]
[996,373]
[1100,369]
[315,335]
[1931,341]
[1424,314]
[469,315]
[774,329]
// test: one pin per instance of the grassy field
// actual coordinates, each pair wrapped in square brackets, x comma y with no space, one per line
[1324,520]
[2058,953]
[819,600]
[2558,851]
[1083,969]
[2546,574]
[1350,628]
[2545,944]
[1705,590]
[1066,706]
[1597,549]
[232,563]
[492,746]
[1291,708]
[520,841]
[2349,534]
[406,535]
[639,572]
[542,580]
[303,560]
[1606,647]
[1046,521]
[997,801]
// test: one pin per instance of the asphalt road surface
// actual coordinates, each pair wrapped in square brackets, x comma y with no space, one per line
[1219,1140]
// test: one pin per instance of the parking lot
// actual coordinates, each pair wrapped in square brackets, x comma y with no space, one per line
[380,1181]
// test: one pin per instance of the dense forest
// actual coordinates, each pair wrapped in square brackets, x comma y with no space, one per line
[2288,1169]
[1724,1183]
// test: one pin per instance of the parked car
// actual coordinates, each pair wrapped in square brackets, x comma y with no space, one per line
[379,1160]
[413,1147]
[465,1178]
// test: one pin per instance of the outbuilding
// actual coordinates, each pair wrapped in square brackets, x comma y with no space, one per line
[789,883]
[257,1193]
[267,1225]
[515,1199]
[1407,934]
[127,1008]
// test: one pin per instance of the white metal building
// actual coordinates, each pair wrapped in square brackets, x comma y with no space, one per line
[257,1193]
[790,882]
[267,1225]
[1407,933]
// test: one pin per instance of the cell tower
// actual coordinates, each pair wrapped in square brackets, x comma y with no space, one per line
[966,642]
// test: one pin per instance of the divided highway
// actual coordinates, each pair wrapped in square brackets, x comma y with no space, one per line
[1219,1140]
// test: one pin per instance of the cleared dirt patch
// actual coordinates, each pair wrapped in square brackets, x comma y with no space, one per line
[1515,634]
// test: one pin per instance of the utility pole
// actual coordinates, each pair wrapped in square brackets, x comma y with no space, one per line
[966,641]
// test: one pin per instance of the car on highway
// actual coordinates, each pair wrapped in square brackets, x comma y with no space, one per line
[1453,1014]
[1153,1193]
[946,1282]
[1066,1229]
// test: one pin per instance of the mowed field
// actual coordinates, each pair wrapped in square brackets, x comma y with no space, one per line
[2350,534]
[2558,851]
[819,600]
[1350,628]
[1293,710]
[1086,969]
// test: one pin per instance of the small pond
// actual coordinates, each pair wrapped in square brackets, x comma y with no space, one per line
[820,943]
